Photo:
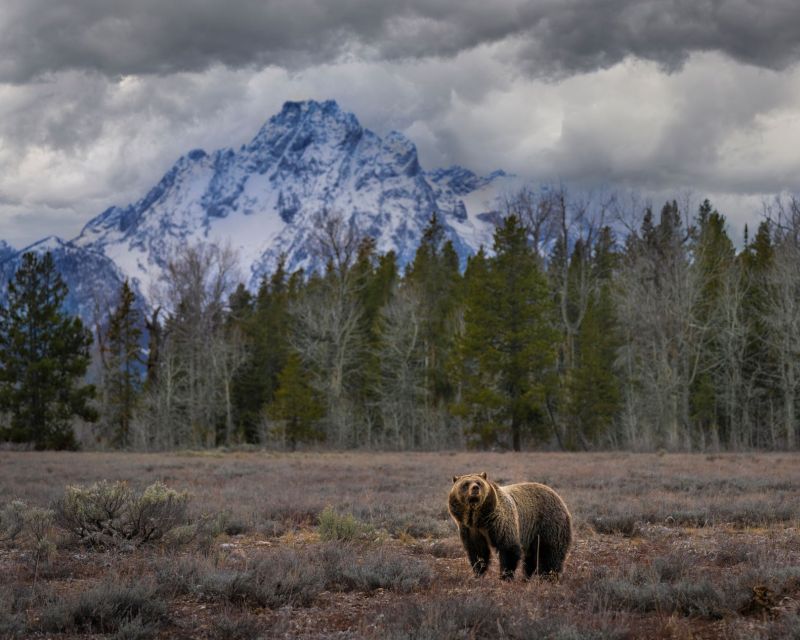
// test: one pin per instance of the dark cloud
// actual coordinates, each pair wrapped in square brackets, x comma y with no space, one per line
[585,35]
[553,38]
[99,97]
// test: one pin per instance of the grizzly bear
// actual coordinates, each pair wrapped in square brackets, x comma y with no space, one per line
[526,519]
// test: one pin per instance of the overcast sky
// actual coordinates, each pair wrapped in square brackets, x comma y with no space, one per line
[99,97]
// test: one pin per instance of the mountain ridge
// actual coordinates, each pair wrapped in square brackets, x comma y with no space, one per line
[264,200]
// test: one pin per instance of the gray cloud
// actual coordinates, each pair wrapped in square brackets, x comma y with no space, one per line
[553,38]
[100,96]
[584,35]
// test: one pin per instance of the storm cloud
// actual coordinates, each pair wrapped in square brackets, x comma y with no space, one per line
[99,97]
[551,37]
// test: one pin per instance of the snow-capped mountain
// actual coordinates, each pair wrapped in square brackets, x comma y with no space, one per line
[6,251]
[265,198]
[93,279]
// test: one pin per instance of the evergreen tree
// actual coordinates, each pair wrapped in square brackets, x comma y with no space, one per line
[434,274]
[122,362]
[780,319]
[296,405]
[240,304]
[714,256]
[593,388]
[477,401]
[375,283]
[43,355]
[759,366]
[507,349]
[265,324]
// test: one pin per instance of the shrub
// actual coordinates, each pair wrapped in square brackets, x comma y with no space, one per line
[282,576]
[446,549]
[12,520]
[110,514]
[39,523]
[761,589]
[107,608]
[235,527]
[623,524]
[179,576]
[236,626]
[381,570]
[136,629]
[473,616]
[335,526]
[157,510]
[783,628]
[13,602]
[33,524]
[273,528]
[402,521]
[478,617]
[671,567]
[291,514]
[202,532]
[689,598]
[273,580]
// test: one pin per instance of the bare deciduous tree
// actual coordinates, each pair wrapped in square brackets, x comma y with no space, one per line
[328,334]
[783,315]
[190,398]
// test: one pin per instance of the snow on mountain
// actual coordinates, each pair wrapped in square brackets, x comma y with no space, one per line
[6,251]
[264,198]
[92,278]
[471,203]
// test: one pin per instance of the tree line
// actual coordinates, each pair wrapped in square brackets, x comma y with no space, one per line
[592,322]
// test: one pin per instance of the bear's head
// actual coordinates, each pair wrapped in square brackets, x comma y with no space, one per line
[471,490]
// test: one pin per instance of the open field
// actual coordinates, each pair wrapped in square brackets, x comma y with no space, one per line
[667,546]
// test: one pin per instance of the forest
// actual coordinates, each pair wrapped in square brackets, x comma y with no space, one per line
[593,322]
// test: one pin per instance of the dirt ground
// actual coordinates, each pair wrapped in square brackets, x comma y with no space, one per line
[359,545]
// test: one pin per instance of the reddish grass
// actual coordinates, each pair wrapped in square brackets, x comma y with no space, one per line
[672,545]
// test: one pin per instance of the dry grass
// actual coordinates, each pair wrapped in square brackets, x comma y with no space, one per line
[667,546]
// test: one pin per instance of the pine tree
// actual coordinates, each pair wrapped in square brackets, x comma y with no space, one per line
[123,361]
[296,405]
[265,326]
[434,274]
[376,280]
[593,387]
[759,366]
[714,256]
[507,349]
[478,401]
[43,355]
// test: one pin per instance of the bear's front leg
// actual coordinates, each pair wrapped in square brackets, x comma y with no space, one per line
[477,548]
[509,559]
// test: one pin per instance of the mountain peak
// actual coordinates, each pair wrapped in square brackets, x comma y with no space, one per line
[305,106]
[310,116]
[264,199]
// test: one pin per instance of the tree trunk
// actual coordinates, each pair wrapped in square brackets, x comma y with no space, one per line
[515,433]
[789,406]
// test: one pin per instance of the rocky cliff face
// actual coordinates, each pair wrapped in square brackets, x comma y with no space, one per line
[265,199]
[93,279]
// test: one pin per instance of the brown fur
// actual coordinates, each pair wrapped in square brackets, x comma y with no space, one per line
[526,520]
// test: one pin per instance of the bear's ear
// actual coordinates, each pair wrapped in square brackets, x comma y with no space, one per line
[455,479]
[483,475]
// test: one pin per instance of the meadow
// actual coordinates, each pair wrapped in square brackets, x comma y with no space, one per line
[359,545]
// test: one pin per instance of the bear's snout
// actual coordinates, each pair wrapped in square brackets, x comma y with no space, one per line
[474,492]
